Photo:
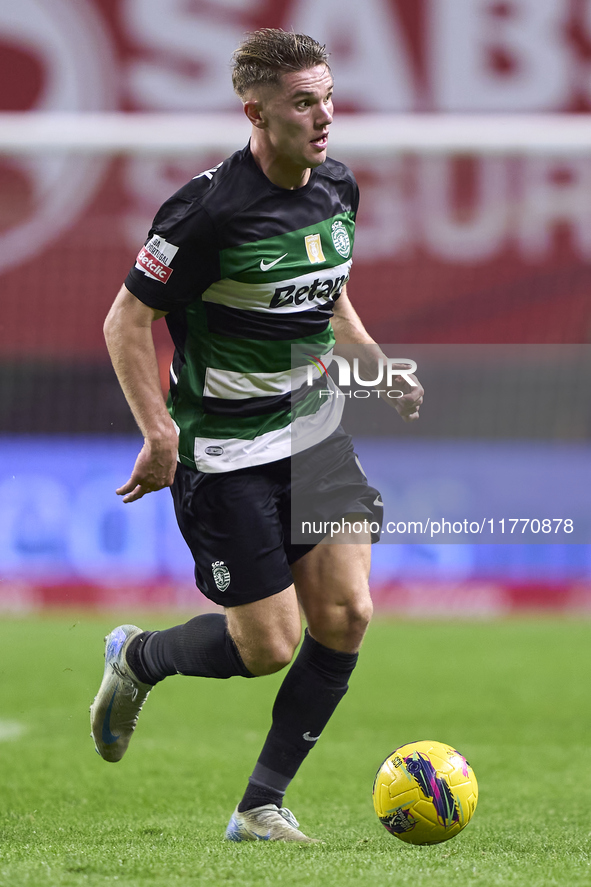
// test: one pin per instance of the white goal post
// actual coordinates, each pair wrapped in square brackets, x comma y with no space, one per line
[357,135]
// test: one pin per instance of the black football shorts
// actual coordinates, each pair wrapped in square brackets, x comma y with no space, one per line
[238,524]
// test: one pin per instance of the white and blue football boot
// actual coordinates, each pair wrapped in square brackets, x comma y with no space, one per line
[267,823]
[115,710]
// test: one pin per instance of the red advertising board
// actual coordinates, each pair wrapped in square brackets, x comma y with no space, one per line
[467,249]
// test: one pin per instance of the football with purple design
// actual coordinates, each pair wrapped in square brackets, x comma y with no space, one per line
[425,792]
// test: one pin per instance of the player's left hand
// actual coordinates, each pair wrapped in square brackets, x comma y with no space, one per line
[408,403]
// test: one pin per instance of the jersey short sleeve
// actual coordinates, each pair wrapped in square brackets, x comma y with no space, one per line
[179,259]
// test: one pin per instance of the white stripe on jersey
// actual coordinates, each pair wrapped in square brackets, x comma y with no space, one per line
[231,454]
[290,295]
[232,385]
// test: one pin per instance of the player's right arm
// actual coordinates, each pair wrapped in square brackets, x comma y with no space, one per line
[128,334]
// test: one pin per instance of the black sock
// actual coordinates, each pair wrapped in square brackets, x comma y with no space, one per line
[257,796]
[202,647]
[308,696]
[134,658]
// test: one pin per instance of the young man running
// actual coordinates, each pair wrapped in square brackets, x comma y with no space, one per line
[245,261]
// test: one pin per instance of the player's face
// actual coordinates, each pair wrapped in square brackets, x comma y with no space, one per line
[297,115]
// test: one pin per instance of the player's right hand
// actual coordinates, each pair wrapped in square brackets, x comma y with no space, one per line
[154,469]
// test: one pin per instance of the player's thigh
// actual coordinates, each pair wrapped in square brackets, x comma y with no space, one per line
[332,584]
[266,632]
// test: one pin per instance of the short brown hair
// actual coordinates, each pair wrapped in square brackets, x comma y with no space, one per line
[270,52]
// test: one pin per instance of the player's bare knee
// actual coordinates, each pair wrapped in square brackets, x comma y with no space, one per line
[359,615]
[355,622]
[342,626]
[272,656]
[355,612]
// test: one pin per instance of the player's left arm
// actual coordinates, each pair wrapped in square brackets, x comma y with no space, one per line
[349,330]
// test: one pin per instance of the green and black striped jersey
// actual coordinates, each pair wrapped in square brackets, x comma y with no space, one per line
[247,270]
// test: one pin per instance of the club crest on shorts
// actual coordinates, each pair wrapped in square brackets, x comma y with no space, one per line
[221,575]
[341,240]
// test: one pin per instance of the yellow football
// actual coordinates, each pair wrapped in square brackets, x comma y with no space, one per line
[425,792]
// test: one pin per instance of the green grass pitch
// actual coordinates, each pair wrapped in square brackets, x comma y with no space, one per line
[512,696]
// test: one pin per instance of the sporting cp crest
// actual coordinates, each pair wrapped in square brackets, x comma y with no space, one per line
[221,575]
[340,238]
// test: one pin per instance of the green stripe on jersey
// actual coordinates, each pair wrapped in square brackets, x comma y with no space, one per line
[248,356]
[323,245]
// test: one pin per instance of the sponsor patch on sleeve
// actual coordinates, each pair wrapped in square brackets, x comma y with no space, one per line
[155,257]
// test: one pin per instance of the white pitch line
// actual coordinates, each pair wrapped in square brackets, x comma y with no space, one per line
[10,730]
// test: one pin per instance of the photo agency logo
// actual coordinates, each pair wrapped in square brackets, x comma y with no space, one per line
[388,372]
